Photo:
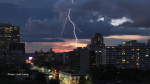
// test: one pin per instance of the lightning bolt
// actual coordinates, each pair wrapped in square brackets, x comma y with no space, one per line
[74,25]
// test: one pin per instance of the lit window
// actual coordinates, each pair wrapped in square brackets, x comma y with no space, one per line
[112,47]
[100,51]
[108,47]
[95,51]
[137,63]
[137,53]
[138,57]
[131,57]
[146,49]
[92,56]
[123,60]
[137,49]
[127,61]
[17,35]
[112,57]
[146,55]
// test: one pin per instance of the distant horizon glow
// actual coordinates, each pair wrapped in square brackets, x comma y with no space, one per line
[69,44]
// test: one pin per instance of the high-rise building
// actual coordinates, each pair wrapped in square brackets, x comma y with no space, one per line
[16,53]
[8,34]
[85,59]
[130,55]
[2,60]
[79,60]
[97,50]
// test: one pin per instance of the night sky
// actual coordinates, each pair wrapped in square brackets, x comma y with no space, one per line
[41,22]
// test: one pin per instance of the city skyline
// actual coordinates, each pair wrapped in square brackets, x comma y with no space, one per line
[40,25]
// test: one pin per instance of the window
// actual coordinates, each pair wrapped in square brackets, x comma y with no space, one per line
[137,63]
[127,61]
[123,60]
[112,57]
[100,51]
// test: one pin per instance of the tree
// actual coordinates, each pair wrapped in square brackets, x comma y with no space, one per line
[7,82]
[103,72]
[83,80]
[40,77]
[28,78]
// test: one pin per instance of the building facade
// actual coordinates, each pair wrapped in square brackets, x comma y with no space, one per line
[8,34]
[130,55]
[97,50]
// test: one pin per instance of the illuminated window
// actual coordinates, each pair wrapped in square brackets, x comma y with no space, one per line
[137,53]
[108,58]
[137,64]
[138,57]
[131,57]
[95,42]
[117,62]
[92,56]
[108,47]
[127,61]
[146,49]
[146,55]
[17,35]
[137,49]
[123,60]
[100,51]
[15,28]
[112,47]
[94,64]
[132,49]
[100,45]
[112,57]
[95,51]
[123,51]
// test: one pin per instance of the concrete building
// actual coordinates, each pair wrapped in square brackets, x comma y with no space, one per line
[16,53]
[130,55]
[65,58]
[79,60]
[3,62]
[8,34]
[97,50]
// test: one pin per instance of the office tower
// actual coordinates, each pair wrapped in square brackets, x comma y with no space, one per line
[97,50]
[8,34]
[79,60]
[148,43]
[65,58]
[2,60]
[16,53]
[130,55]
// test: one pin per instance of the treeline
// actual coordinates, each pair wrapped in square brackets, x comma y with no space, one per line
[110,72]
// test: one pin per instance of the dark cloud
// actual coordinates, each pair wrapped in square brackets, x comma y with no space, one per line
[136,10]
[40,40]
[31,3]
